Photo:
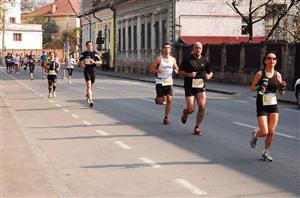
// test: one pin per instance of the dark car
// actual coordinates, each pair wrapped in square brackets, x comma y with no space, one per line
[297,91]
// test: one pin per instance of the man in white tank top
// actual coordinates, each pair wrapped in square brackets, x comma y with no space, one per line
[163,67]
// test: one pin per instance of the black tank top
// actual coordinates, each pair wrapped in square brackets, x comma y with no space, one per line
[272,82]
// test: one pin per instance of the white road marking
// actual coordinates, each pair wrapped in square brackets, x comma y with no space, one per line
[292,110]
[277,133]
[192,188]
[58,105]
[148,100]
[52,101]
[41,95]
[242,101]
[37,93]
[75,116]
[123,145]
[105,89]
[150,162]
[102,132]
[66,110]
[86,123]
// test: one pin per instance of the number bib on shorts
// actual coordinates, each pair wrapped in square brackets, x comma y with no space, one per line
[52,72]
[167,82]
[88,61]
[198,83]
[269,99]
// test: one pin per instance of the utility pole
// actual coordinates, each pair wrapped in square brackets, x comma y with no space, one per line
[3,31]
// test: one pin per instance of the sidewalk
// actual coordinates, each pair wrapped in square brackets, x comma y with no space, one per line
[218,87]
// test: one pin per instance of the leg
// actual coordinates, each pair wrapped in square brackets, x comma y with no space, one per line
[273,121]
[168,105]
[263,126]
[201,101]
[190,105]
[89,89]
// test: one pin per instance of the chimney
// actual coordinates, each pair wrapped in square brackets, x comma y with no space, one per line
[53,8]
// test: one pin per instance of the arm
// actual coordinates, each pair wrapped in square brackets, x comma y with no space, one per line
[282,84]
[153,66]
[209,75]
[175,67]
[256,79]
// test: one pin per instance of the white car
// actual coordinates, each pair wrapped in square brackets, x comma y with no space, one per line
[297,91]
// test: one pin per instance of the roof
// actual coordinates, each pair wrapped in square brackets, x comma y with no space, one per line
[63,8]
[188,40]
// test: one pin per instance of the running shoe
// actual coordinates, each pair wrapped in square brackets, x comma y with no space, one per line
[166,121]
[91,104]
[184,117]
[87,98]
[49,95]
[54,94]
[253,140]
[197,131]
[267,157]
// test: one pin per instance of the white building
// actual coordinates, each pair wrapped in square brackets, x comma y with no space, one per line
[20,36]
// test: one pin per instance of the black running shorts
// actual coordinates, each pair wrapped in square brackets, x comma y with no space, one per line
[163,90]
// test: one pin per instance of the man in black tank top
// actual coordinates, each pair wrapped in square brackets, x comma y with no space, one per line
[196,70]
[266,82]
[89,60]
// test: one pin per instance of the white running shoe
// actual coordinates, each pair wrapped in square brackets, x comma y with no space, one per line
[54,94]
[49,95]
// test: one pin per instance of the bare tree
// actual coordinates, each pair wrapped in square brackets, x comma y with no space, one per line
[262,10]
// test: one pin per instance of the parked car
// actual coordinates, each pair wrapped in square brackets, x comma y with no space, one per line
[297,91]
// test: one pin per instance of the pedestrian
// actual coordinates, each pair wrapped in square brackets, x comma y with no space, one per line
[9,62]
[89,60]
[266,82]
[17,63]
[52,68]
[196,71]
[43,59]
[31,62]
[71,62]
[163,67]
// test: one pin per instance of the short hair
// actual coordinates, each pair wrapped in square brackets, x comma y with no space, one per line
[164,44]
[88,43]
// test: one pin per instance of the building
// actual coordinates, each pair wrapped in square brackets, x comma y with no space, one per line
[142,26]
[63,12]
[19,36]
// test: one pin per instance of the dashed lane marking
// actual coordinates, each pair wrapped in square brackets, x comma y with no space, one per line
[86,123]
[102,132]
[52,101]
[150,162]
[192,188]
[123,145]
[66,110]
[58,105]
[75,116]
[277,133]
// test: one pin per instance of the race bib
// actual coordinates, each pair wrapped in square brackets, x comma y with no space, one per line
[52,72]
[89,61]
[167,82]
[269,99]
[198,83]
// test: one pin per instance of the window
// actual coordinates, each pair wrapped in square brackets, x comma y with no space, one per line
[17,36]
[156,27]
[129,38]
[149,35]
[119,42]
[124,39]
[12,20]
[164,31]
[143,36]
[134,38]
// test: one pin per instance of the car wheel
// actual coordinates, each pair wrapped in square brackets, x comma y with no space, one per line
[298,98]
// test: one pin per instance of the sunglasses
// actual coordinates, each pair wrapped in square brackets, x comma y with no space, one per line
[271,58]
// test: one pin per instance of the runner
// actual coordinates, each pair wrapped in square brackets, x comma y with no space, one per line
[163,67]
[31,63]
[52,68]
[17,63]
[43,59]
[266,82]
[9,62]
[88,61]
[70,66]
[196,70]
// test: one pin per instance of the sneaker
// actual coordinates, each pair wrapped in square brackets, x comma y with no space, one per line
[87,98]
[253,140]
[184,117]
[49,95]
[166,121]
[266,157]
[54,94]
[91,104]
[197,131]
[70,82]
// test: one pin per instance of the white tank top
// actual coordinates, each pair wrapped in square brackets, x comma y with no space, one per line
[166,66]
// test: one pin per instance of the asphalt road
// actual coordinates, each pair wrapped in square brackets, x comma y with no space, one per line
[120,148]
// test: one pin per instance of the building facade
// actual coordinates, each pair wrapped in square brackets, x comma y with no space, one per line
[17,35]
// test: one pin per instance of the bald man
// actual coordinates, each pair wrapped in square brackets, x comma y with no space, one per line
[196,70]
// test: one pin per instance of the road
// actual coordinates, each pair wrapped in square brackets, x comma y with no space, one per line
[59,147]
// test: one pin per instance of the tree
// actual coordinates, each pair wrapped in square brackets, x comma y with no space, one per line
[261,10]
[73,37]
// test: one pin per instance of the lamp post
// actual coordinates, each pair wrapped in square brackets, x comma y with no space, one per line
[3,31]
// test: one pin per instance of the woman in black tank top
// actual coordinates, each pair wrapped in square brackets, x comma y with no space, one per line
[266,82]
